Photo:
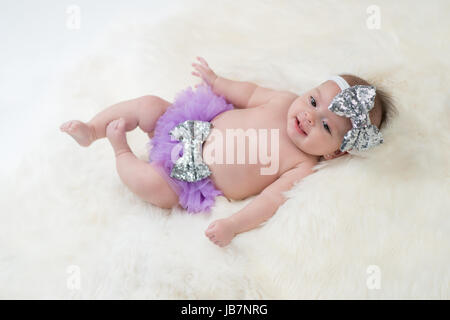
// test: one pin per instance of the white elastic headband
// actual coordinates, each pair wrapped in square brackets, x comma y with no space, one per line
[340,82]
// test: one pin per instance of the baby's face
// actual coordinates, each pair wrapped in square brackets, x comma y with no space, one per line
[311,126]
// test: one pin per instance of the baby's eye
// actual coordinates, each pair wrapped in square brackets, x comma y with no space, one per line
[313,101]
[326,127]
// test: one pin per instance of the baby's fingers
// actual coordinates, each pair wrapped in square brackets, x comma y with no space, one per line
[200,70]
[203,61]
[200,67]
[210,232]
[204,72]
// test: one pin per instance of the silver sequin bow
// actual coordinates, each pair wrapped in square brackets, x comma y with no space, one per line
[190,167]
[355,103]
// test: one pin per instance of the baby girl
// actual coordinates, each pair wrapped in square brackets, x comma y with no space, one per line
[191,137]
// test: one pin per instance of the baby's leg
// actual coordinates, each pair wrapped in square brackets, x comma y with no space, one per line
[142,112]
[140,176]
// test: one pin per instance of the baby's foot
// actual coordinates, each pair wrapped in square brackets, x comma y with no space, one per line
[115,131]
[80,131]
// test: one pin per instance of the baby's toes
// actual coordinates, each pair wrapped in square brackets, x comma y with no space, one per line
[114,124]
[66,126]
[121,125]
[115,127]
[110,127]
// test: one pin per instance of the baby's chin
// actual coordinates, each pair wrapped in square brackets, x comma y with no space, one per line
[310,152]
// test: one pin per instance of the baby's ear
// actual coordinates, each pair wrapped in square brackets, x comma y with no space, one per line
[334,155]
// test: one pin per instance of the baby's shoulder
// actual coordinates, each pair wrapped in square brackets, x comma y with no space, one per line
[299,171]
[305,162]
[282,98]
[285,95]
[308,161]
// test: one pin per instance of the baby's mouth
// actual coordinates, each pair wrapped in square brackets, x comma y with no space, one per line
[299,128]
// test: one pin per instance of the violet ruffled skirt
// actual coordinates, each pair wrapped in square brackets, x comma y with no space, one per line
[201,104]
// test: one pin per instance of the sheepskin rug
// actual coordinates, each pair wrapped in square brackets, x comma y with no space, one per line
[366,227]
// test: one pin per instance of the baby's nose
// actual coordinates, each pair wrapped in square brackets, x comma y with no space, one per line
[309,118]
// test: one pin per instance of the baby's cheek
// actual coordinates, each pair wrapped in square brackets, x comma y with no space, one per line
[332,146]
[291,111]
[319,145]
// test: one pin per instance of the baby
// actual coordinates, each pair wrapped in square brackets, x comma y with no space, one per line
[191,137]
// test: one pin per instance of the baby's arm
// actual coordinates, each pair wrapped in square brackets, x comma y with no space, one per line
[260,209]
[242,94]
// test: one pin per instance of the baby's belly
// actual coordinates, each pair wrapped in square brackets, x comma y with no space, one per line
[240,156]
[239,181]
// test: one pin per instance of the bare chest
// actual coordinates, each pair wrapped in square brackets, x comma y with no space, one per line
[248,149]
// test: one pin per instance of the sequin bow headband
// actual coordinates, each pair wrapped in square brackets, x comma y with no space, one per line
[355,103]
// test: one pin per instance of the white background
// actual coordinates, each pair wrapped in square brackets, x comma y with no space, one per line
[37,46]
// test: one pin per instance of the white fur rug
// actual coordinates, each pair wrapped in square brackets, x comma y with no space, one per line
[365,228]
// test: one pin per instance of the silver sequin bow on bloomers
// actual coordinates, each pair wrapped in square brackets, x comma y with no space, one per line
[355,103]
[190,167]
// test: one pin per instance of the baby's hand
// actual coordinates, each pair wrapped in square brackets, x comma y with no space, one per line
[204,72]
[221,232]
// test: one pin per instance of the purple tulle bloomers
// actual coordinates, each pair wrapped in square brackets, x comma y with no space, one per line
[202,104]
